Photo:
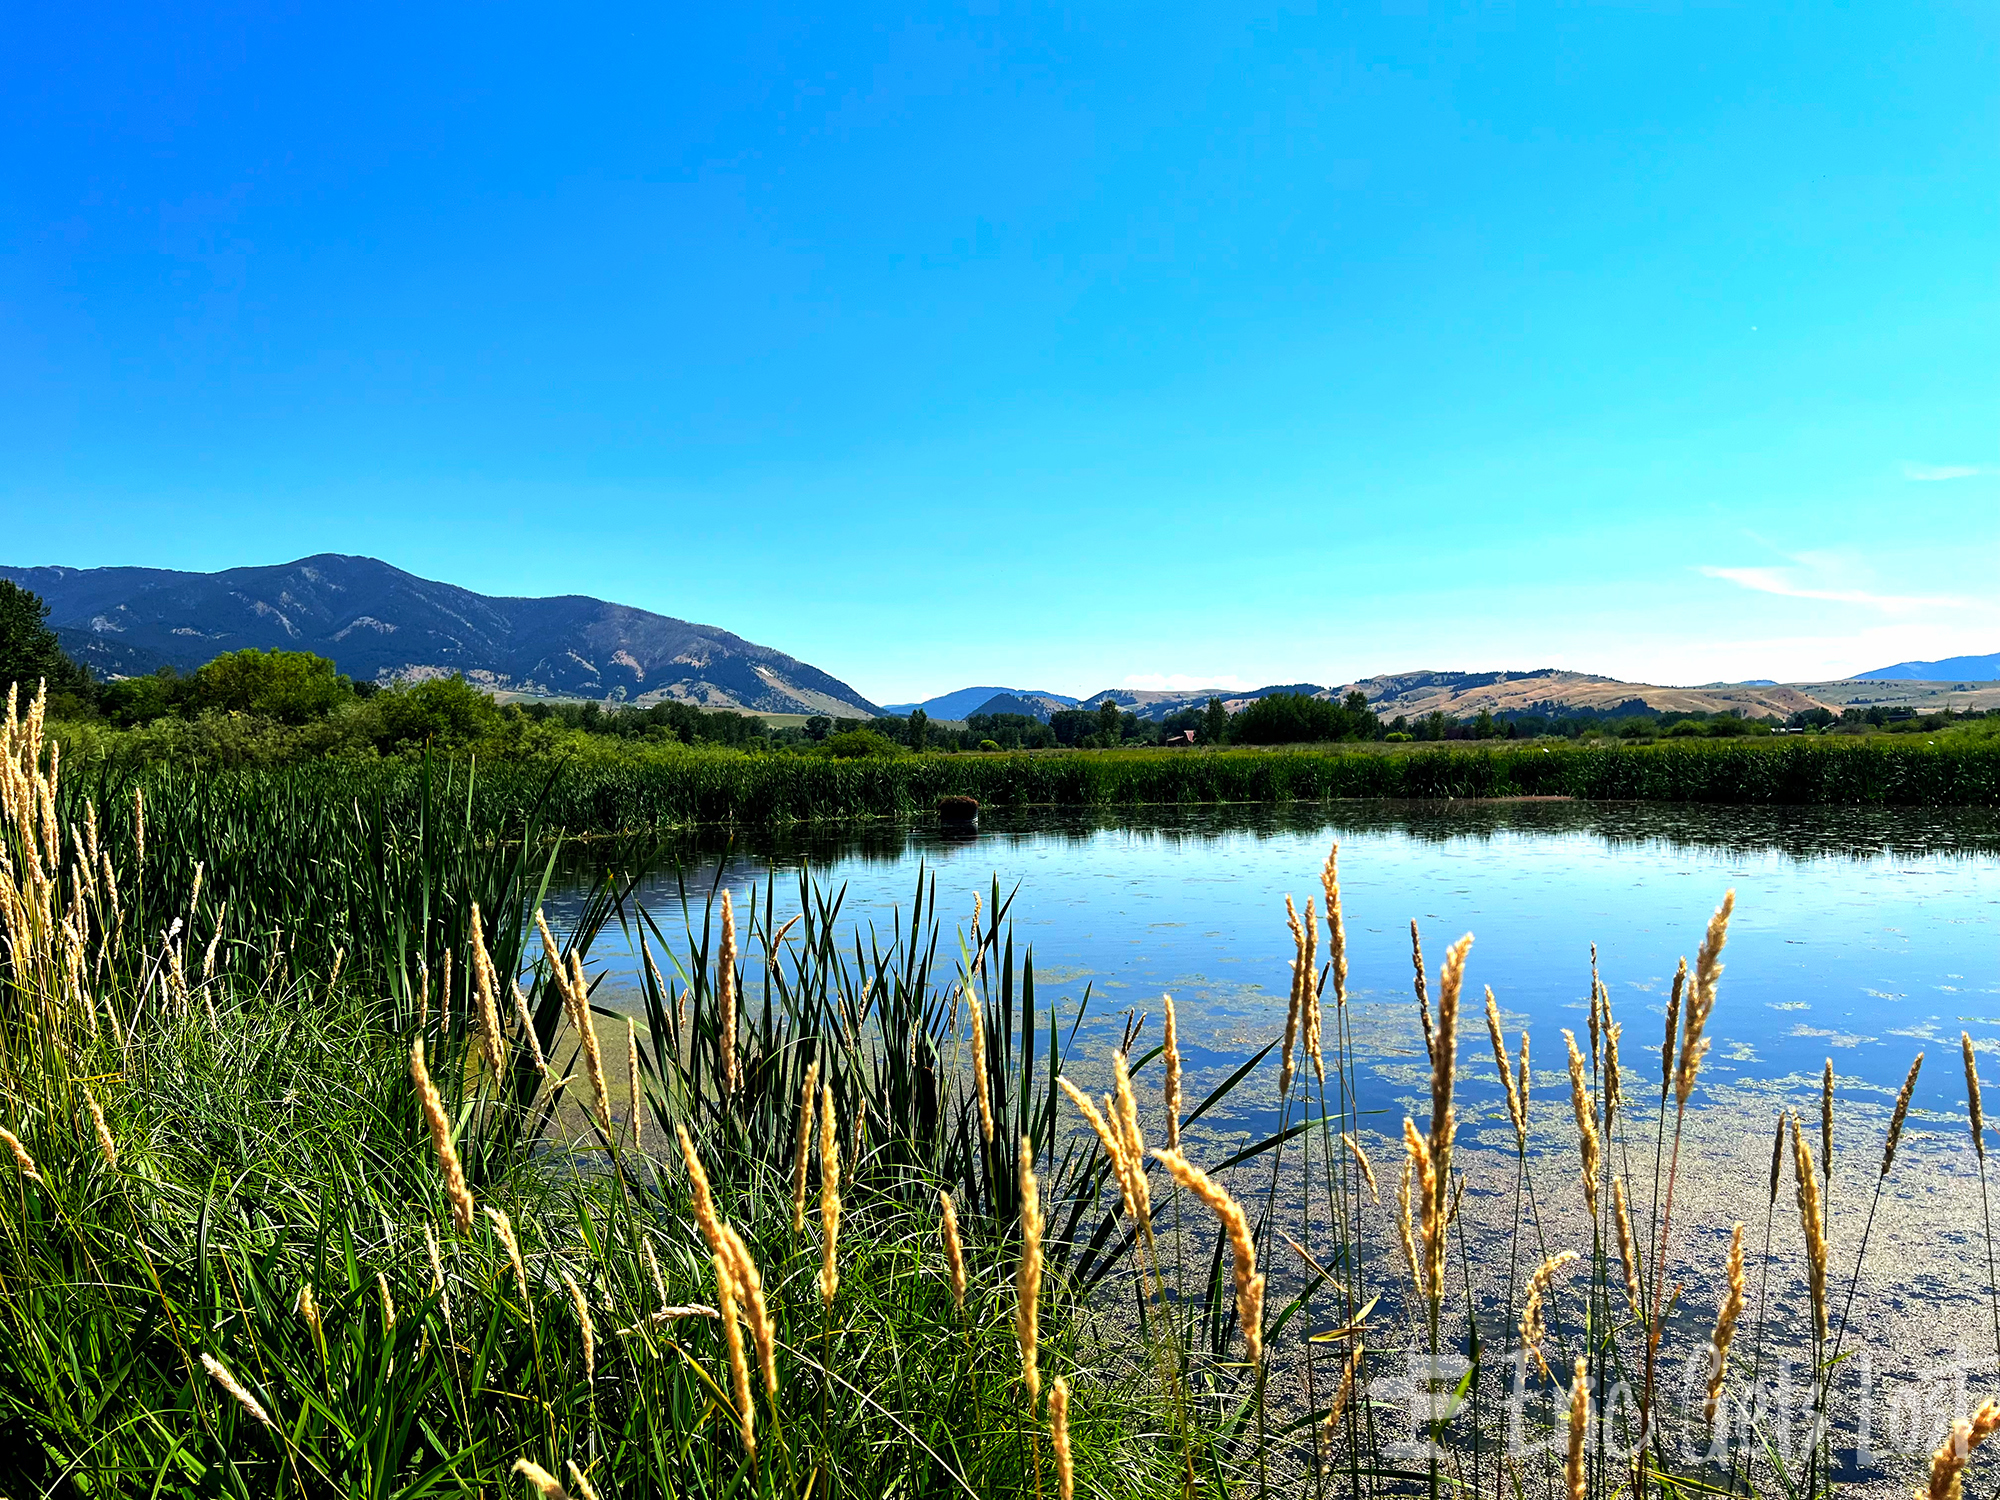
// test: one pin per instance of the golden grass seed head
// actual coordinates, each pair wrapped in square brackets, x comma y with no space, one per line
[1423,985]
[1431,1219]
[1444,1065]
[437,1274]
[1614,1093]
[1896,1119]
[1406,1225]
[526,1020]
[1059,1438]
[1812,1223]
[491,1043]
[308,1309]
[441,1142]
[586,1328]
[1028,1278]
[1586,1122]
[739,1365]
[954,1249]
[1310,1015]
[653,1270]
[1627,1257]
[705,1215]
[1345,1394]
[219,1373]
[725,986]
[1701,999]
[829,1196]
[802,1158]
[1579,1423]
[579,1481]
[108,1148]
[546,1484]
[1128,1110]
[1367,1169]
[1777,1155]
[1534,1328]
[980,1084]
[750,1292]
[1336,924]
[1242,1247]
[1109,1136]
[587,1034]
[1949,1461]
[632,1082]
[1506,1071]
[1171,1089]
[1295,1004]
[504,1228]
[1975,1116]
[1725,1324]
[1596,1013]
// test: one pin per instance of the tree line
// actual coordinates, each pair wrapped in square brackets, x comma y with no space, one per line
[254,706]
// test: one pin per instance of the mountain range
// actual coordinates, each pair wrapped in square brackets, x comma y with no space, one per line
[1950,669]
[1547,690]
[986,700]
[380,624]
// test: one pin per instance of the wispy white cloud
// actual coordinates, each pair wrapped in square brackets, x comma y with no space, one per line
[1785,583]
[1933,473]
[1164,682]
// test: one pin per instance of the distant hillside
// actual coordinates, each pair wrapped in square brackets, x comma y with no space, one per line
[1549,690]
[973,700]
[1950,669]
[378,623]
[1154,704]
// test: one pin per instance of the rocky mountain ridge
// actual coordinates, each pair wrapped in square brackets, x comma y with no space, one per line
[381,624]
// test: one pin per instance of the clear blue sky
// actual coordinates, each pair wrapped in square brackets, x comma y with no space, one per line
[1049,348]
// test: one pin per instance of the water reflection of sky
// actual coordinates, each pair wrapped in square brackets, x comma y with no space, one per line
[1863,935]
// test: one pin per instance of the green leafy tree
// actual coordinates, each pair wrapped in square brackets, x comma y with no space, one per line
[448,712]
[29,652]
[920,725]
[1108,717]
[131,701]
[860,744]
[291,687]
[1300,718]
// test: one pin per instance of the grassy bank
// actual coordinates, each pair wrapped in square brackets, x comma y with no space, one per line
[242,1253]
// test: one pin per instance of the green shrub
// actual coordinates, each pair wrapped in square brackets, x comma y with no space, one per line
[861,744]
[287,687]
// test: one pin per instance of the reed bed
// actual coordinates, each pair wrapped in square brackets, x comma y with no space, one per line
[653,793]
[346,1205]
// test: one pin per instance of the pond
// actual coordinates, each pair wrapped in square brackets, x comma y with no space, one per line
[1860,935]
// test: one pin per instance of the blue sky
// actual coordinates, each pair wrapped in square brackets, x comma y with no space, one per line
[1052,348]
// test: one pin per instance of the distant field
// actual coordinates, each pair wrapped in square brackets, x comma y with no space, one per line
[1925,697]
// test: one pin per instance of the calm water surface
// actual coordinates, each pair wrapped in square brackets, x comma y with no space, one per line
[1861,935]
